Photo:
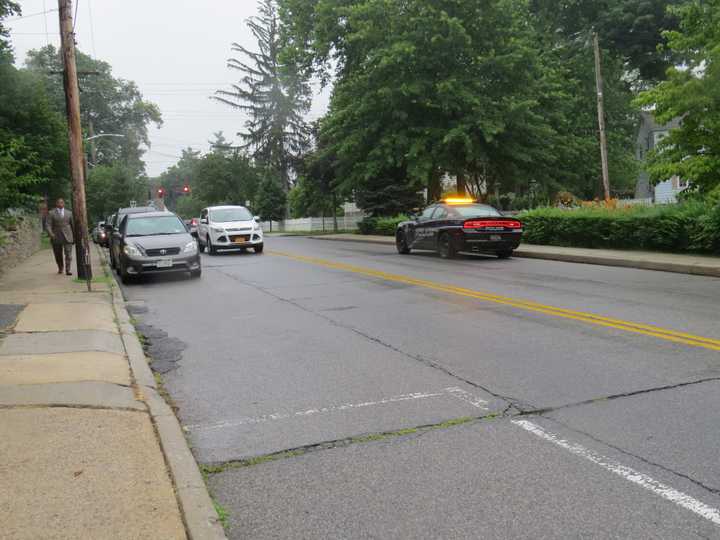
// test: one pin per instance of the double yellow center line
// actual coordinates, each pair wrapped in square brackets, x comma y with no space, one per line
[589,318]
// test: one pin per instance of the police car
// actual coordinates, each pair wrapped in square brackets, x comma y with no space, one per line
[460,224]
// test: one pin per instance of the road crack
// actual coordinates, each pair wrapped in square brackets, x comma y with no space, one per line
[515,402]
[418,431]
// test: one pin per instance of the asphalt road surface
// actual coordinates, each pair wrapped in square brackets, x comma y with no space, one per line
[340,390]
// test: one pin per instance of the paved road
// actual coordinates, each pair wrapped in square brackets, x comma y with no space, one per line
[339,390]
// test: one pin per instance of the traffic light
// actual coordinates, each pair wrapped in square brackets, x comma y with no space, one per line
[186,190]
[160,193]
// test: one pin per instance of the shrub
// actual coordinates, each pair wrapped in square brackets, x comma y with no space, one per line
[385,226]
[693,226]
[367,225]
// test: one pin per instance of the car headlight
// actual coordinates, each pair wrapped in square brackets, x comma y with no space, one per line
[132,251]
[256,227]
[218,229]
[190,247]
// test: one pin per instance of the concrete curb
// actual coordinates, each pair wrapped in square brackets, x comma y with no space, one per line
[677,268]
[697,269]
[198,513]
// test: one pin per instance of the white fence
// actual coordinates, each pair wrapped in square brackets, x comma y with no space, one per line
[314,224]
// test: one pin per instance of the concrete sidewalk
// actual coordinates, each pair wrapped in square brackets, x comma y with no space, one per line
[89,449]
[701,265]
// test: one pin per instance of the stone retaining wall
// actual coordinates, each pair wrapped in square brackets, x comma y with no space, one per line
[21,241]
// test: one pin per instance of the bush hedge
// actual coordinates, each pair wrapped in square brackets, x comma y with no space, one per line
[687,227]
[385,226]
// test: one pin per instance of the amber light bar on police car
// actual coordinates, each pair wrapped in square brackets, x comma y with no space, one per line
[459,200]
[485,223]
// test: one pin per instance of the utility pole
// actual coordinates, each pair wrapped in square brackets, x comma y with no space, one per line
[601,118]
[77,156]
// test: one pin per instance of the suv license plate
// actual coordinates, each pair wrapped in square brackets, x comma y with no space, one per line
[164,263]
[495,238]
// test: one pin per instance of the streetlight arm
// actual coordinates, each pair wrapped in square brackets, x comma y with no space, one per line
[104,135]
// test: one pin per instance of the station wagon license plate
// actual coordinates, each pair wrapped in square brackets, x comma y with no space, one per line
[164,263]
[495,238]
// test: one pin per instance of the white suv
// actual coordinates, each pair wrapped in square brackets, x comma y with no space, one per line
[229,227]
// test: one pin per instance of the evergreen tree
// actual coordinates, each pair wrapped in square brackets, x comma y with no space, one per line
[274,95]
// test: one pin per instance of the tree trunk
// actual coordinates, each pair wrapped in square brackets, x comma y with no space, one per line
[461,189]
[434,186]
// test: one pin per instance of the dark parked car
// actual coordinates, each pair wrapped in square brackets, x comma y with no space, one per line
[155,242]
[455,225]
[192,225]
[99,234]
[114,226]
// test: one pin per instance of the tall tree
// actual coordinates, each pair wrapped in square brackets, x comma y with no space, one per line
[33,139]
[691,92]
[424,87]
[273,94]
[271,200]
[109,105]
[7,8]
[631,30]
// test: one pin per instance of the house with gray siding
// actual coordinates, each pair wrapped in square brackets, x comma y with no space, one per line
[649,135]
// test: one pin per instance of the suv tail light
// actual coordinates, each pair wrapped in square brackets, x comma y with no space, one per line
[483,223]
[193,222]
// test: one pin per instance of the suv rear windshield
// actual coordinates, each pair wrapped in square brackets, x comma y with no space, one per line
[475,210]
[230,214]
[150,226]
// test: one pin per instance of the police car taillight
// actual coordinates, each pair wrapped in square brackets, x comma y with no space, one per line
[485,223]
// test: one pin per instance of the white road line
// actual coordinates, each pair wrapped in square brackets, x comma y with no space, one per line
[666,492]
[456,392]
[467,397]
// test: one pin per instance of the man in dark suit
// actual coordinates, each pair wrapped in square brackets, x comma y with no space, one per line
[60,229]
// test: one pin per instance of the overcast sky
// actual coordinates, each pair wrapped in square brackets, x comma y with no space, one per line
[175,50]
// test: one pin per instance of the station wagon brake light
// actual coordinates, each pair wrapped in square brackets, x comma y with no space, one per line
[484,223]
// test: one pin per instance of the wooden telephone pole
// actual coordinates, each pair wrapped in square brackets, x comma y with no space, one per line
[77,156]
[601,117]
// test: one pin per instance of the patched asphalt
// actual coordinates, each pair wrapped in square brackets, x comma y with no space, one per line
[266,354]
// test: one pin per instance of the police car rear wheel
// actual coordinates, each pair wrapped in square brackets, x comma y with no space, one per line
[446,249]
[401,243]
[505,254]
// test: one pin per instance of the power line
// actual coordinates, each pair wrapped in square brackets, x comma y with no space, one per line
[31,15]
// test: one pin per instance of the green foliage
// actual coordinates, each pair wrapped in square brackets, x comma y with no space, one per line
[109,105]
[691,151]
[224,179]
[7,8]
[189,207]
[21,171]
[632,30]
[381,226]
[111,187]
[270,201]
[487,91]
[676,228]
[33,140]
